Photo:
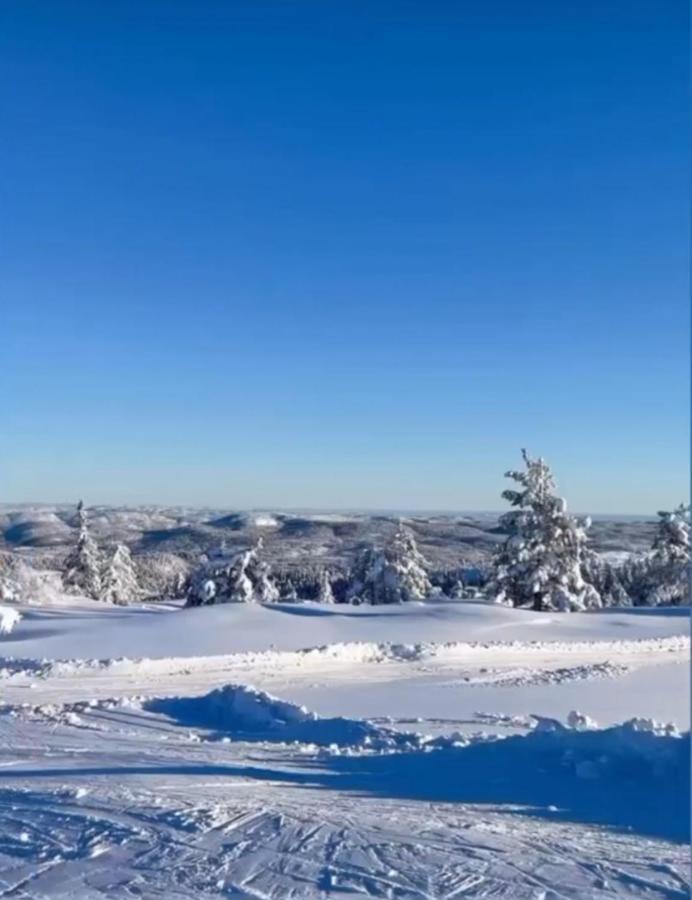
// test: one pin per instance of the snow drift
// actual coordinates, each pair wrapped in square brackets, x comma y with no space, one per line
[250,714]
[633,777]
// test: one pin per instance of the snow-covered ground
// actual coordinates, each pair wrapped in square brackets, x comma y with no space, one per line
[412,752]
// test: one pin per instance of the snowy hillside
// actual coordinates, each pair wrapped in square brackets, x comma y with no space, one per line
[446,540]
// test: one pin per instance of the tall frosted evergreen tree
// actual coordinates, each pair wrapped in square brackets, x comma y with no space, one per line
[540,563]
[82,567]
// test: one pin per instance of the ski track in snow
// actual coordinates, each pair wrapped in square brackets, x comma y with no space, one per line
[142,810]
[253,848]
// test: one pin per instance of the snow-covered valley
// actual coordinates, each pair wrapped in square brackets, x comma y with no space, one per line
[419,752]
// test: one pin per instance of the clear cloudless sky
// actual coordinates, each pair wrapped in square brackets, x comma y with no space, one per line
[343,254]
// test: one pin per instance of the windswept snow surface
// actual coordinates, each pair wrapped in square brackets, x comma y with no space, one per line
[423,751]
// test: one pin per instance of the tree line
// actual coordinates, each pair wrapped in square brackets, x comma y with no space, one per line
[544,563]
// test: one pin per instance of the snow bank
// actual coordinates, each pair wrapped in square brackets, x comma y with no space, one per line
[246,709]
[642,745]
[8,619]
[633,776]
[639,747]
[251,714]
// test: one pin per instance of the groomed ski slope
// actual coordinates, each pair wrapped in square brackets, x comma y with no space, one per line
[422,751]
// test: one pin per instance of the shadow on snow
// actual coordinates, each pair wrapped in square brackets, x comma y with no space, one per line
[499,773]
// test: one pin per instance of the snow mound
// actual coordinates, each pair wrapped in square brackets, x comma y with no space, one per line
[634,776]
[250,714]
[644,747]
[8,619]
[246,709]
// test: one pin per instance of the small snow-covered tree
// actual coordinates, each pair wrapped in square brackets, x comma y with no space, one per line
[12,573]
[20,582]
[241,578]
[162,575]
[201,586]
[662,576]
[264,588]
[119,583]
[395,574]
[606,579]
[82,568]
[326,594]
[9,616]
[540,563]
[635,576]
[239,587]
[670,558]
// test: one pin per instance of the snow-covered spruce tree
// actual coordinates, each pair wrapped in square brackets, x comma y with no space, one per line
[9,591]
[82,568]
[326,594]
[20,582]
[540,563]
[635,576]
[606,579]
[119,582]
[162,575]
[242,578]
[259,571]
[201,585]
[669,569]
[239,587]
[395,574]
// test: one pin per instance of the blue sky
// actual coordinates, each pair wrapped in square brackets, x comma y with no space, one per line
[343,254]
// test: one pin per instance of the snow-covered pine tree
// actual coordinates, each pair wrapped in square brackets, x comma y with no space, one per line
[162,575]
[326,594]
[669,569]
[635,577]
[20,582]
[201,584]
[242,578]
[82,567]
[395,574]
[606,579]
[540,563]
[239,587]
[264,588]
[119,582]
